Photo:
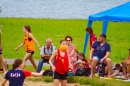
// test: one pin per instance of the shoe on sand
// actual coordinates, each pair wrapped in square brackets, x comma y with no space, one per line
[109,78]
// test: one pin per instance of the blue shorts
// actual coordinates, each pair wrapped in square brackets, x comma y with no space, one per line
[98,58]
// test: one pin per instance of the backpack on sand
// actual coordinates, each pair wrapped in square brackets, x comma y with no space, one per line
[48,73]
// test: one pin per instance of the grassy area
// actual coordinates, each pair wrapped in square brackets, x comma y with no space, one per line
[84,81]
[57,29]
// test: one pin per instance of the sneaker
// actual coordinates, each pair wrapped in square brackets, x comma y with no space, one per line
[127,80]
[109,78]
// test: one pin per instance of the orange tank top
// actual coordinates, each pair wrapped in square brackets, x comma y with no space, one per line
[29,43]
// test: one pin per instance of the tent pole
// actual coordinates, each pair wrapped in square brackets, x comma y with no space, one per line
[104,28]
[87,36]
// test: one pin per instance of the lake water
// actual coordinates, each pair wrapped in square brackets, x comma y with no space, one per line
[60,9]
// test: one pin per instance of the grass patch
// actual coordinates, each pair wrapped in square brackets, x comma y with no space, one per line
[47,79]
[57,29]
[84,81]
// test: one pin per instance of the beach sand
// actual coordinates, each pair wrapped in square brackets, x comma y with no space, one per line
[31,82]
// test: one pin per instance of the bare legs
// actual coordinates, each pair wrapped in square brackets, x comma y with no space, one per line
[93,66]
[26,57]
[114,73]
[30,57]
[3,63]
[126,70]
[63,82]
[33,62]
[56,82]
[107,61]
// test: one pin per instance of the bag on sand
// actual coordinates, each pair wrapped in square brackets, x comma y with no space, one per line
[83,72]
[48,73]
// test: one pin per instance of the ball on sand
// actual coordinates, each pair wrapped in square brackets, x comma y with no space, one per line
[63,48]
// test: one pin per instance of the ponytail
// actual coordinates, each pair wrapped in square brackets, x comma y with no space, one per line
[17,63]
[28,28]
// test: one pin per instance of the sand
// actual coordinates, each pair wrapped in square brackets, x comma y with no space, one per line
[28,82]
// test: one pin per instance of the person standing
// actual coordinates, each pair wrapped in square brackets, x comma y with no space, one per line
[93,37]
[71,53]
[1,56]
[62,64]
[16,75]
[99,53]
[28,41]
[46,53]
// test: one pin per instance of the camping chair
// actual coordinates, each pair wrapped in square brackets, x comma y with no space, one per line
[103,69]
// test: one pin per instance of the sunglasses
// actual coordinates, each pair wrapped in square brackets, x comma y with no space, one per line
[68,40]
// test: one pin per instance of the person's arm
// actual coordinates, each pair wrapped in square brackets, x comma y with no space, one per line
[3,82]
[106,56]
[72,53]
[81,65]
[29,73]
[94,38]
[128,61]
[31,36]
[124,61]
[20,45]
[37,74]
[45,56]
[54,48]
[83,62]
[108,49]
[51,58]
[70,65]
[93,42]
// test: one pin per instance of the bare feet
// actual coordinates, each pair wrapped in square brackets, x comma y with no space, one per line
[91,76]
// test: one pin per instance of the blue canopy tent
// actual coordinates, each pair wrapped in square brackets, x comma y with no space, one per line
[117,14]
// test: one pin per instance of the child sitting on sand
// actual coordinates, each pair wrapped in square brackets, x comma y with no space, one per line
[83,65]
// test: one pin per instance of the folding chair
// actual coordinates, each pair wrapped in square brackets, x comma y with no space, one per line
[103,69]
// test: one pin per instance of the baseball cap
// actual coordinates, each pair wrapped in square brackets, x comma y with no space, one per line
[103,35]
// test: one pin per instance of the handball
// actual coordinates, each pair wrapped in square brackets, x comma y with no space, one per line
[63,48]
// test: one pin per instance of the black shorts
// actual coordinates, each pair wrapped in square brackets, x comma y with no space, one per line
[29,51]
[60,76]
